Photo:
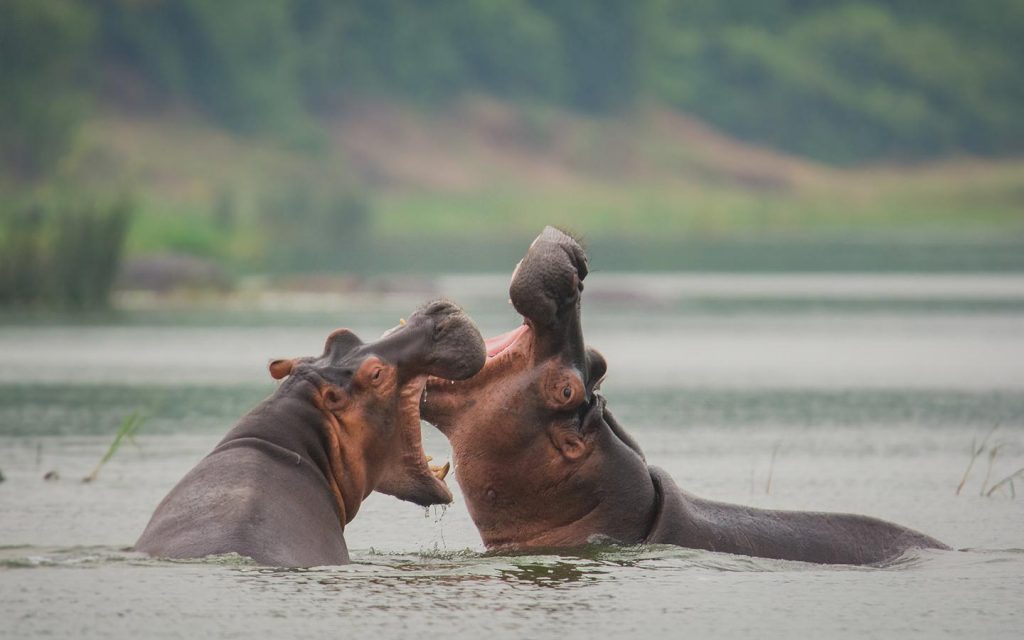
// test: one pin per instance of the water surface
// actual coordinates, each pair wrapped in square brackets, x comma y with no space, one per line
[803,396]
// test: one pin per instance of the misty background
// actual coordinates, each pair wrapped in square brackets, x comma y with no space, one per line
[191,146]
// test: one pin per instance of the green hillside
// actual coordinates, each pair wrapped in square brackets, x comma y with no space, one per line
[277,136]
[838,80]
[464,189]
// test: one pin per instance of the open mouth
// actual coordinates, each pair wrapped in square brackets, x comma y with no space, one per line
[417,463]
[495,346]
[437,392]
[500,343]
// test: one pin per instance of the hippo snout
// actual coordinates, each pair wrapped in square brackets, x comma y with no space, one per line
[549,278]
[439,339]
[457,349]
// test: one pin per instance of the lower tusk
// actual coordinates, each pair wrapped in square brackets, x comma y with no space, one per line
[441,472]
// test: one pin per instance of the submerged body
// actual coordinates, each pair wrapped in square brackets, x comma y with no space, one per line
[263,492]
[543,463]
[830,538]
[284,482]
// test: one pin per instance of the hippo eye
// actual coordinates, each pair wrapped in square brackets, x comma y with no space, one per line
[567,393]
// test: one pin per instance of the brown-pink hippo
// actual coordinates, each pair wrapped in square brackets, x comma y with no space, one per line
[284,482]
[543,463]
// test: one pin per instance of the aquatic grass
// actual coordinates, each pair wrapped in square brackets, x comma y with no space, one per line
[1008,480]
[771,469]
[976,450]
[992,453]
[129,426]
[987,491]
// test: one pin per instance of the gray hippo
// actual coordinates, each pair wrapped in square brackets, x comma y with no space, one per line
[543,463]
[283,483]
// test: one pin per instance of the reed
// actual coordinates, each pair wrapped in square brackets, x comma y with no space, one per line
[992,453]
[976,450]
[1007,481]
[61,254]
[771,469]
[129,426]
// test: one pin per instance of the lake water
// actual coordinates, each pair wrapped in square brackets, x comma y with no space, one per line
[845,393]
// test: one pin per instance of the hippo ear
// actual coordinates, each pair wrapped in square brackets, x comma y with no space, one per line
[569,442]
[597,366]
[281,368]
[340,343]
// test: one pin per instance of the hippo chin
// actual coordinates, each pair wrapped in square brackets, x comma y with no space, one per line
[543,463]
[284,482]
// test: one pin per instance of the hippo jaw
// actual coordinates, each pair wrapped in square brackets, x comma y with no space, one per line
[518,427]
[545,289]
[370,395]
[439,340]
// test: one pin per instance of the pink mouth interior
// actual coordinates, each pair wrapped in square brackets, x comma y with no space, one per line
[499,343]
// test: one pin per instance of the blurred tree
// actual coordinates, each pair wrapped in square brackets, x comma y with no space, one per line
[511,48]
[234,58]
[44,52]
[847,81]
[604,42]
[401,48]
[842,80]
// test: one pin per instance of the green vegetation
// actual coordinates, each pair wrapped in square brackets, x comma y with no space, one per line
[846,81]
[677,201]
[61,253]
[840,80]
[988,490]
[309,226]
[43,52]
[129,427]
[836,80]
[369,135]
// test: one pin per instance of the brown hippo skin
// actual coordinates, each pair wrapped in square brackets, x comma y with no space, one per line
[284,482]
[543,463]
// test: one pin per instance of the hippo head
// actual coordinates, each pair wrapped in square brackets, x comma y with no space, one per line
[523,429]
[369,395]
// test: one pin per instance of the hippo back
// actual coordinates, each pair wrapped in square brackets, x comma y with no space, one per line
[227,502]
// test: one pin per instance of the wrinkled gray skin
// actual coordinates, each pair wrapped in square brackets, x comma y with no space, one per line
[266,490]
[539,473]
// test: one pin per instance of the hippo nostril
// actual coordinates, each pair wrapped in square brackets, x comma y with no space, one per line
[441,308]
[440,329]
[332,398]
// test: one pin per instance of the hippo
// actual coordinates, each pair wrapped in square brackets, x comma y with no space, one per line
[542,462]
[283,483]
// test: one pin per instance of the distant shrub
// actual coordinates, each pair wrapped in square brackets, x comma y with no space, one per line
[61,255]
[309,229]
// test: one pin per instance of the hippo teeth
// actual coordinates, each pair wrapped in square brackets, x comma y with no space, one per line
[440,472]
